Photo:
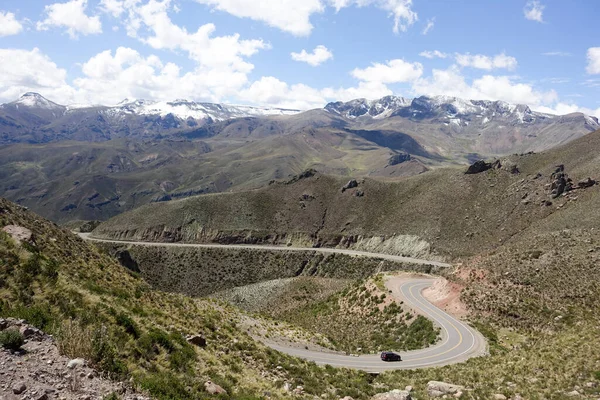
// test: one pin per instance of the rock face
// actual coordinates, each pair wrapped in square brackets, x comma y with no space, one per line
[393,395]
[439,389]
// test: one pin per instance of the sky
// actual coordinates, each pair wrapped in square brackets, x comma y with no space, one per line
[302,54]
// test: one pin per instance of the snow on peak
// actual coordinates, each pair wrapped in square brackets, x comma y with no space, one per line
[36,100]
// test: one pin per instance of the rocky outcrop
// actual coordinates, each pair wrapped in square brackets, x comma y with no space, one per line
[440,389]
[562,184]
[478,167]
[399,159]
[482,166]
[37,371]
[393,395]
[19,234]
[352,183]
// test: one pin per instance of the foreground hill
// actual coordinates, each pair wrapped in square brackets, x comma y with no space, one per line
[61,284]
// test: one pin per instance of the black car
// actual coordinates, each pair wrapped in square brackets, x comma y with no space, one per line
[390,356]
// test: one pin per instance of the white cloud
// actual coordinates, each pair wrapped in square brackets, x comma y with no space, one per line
[319,55]
[114,7]
[593,59]
[109,78]
[223,52]
[401,10]
[568,108]
[393,71]
[433,54]
[24,71]
[450,82]
[70,15]
[429,26]
[291,16]
[480,61]
[534,11]
[557,54]
[9,24]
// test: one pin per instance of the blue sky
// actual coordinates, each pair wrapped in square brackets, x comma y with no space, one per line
[302,53]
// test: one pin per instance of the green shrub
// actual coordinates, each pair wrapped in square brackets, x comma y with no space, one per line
[11,339]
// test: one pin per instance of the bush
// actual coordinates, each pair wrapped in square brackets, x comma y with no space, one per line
[11,339]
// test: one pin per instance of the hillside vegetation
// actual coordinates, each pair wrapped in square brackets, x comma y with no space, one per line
[443,212]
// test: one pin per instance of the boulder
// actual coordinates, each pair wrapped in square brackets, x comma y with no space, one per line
[19,233]
[197,340]
[213,388]
[19,387]
[586,183]
[76,363]
[352,183]
[393,395]
[438,389]
[478,167]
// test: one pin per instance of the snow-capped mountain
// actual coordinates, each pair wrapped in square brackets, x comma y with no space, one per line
[446,110]
[185,109]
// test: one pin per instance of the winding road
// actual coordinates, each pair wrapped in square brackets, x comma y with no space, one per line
[325,250]
[458,343]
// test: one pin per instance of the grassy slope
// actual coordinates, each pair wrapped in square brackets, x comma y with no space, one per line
[460,214]
[103,313]
[107,178]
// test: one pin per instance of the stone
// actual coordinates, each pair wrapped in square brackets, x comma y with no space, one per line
[19,233]
[352,183]
[76,363]
[347,398]
[27,331]
[586,183]
[499,396]
[43,396]
[478,167]
[19,388]
[197,340]
[213,388]
[436,387]
[408,388]
[396,394]
[574,393]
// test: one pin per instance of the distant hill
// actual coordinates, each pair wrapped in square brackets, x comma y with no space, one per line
[93,162]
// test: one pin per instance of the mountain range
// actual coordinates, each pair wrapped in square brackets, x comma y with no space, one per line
[93,162]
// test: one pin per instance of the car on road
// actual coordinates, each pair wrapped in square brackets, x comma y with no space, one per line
[390,356]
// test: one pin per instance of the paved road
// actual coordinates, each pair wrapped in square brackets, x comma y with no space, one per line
[279,248]
[459,341]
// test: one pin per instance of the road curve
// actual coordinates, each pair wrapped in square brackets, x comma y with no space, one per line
[325,250]
[458,343]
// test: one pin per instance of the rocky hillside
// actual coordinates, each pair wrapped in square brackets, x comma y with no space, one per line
[444,212]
